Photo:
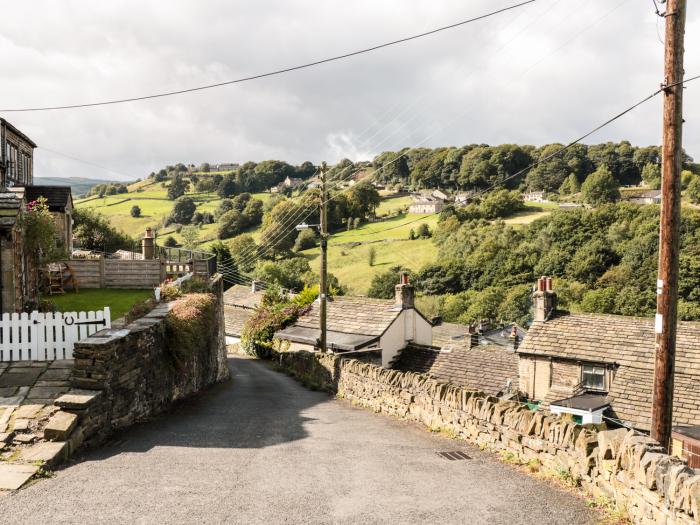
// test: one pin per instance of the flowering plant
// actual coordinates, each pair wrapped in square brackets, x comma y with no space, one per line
[40,231]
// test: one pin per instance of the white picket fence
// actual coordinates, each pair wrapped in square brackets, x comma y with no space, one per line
[45,337]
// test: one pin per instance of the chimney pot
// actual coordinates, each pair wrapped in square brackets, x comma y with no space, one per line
[544,299]
[404,293]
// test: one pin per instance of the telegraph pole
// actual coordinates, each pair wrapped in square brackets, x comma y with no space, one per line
[323,288]
[669,245]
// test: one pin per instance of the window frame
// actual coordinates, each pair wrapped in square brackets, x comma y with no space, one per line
[592,373]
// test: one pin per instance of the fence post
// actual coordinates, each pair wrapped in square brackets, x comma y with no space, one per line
[101,262]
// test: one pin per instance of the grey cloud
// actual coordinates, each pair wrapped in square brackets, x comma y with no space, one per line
[522,77]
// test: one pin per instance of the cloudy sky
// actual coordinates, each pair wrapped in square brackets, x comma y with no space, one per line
[546,72]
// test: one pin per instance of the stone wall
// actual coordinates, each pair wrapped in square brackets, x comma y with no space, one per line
[626,468]
[124,375]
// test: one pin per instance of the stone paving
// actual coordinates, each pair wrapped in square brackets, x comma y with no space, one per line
[28,417]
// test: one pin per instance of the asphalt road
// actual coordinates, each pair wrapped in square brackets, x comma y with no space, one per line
[263,449]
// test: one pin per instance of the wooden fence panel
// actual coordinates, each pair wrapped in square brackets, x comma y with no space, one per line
[45,337]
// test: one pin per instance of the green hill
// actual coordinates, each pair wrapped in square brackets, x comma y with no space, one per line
[79,185]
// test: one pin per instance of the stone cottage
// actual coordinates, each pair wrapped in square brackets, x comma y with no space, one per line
[18,268]
[595,365]
[361,323]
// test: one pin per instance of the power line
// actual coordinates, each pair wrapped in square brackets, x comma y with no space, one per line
[276,72]
[561,150]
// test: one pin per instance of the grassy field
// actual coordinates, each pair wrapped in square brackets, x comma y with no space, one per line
[155,206]
[350,264]
[393,205]
[119,301]
[395,228]
[533,212]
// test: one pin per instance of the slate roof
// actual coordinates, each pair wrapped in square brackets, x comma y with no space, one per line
[234,319]
[628,344]
[447,333]
[243,296]
[58,197]
[334,340]
[18,132]
[484,367]
[354,315]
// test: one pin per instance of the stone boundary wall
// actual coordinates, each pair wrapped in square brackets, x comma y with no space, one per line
[124,375]
[629,469]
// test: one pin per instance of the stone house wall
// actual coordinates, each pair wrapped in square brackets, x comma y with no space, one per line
[630,469]
[124,375]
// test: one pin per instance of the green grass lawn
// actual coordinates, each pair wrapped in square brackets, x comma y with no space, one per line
[531,213]
[393,204]
[119,300]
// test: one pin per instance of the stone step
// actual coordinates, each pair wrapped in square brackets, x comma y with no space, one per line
[13,476]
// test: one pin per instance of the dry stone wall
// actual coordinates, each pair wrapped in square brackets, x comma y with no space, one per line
[625,468]
[124,375]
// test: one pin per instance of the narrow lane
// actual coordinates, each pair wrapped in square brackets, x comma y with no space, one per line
[263,449]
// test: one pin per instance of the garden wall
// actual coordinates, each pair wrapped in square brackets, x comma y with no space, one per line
[121,376]
[629,469]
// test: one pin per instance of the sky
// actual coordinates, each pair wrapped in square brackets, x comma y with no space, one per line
[546,72]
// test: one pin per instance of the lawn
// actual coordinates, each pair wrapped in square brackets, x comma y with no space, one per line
[531,213]
[119,300]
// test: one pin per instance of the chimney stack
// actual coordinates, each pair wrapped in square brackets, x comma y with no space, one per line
[148,247]
[473,336]
[514,338]
[254,286]
[544,299]
[404,293]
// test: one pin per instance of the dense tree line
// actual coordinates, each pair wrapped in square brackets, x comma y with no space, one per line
[603,260]
[111,188]
[479,166]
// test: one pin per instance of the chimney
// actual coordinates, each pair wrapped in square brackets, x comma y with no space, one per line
[544,300]
[404,293]
[473,336]
[254,286]
[514,339]
[148,248]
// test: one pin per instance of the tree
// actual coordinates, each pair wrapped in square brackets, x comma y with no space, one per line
[383,284]
[600,187]
[177,187]
[651,175]
[94,232]
[501,203]
[363,199]
[136,212]
[205,167]
[244,250]
[570,185]
[161,176]
[227,187]
[372,255]
[170,242]
[287,273]
[229,224]
[183,211]
[306,240]
[693,190]
[356,223]
[190,236]
[424,231]
[224,206]
[411,235]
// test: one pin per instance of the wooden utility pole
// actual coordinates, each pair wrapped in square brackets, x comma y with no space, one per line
[667,283]
[323,288]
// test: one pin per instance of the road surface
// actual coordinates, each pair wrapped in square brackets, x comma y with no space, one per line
[263,449]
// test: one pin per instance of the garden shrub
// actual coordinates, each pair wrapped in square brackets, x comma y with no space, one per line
[260,329]
[189,320]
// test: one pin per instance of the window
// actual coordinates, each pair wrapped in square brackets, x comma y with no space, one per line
[593,377]
[11,153]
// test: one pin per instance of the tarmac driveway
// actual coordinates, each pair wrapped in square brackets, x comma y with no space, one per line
[263,449]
